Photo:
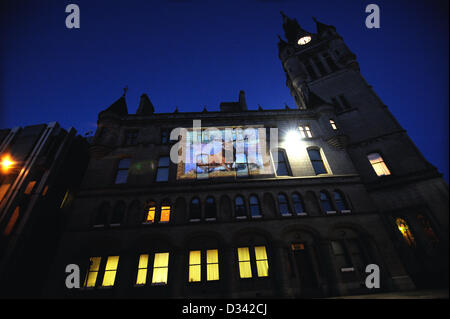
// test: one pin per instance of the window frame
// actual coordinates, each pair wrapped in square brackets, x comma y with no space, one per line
[160,167]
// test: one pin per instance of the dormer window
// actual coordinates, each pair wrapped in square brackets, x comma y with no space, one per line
[304,40]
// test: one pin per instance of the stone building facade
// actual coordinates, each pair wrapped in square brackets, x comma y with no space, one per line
[350,189]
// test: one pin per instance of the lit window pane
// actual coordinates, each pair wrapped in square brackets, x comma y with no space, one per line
[3,189]
[378,164]
[165,214]
[151,215]
[110,271]
[262,264]
[195,274]
[245,269]
[160,268]
[91,276]
[142,270]
[212,265]
[30,187]
[405,231]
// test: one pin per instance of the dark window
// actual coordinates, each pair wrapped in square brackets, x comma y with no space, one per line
[131,137]
[326,202]
[340,202]
[164,136]
[330,62]
[118,214]
[195,209]
[122,171]
[101,218]
[282,167]
[310,70]
[299,208]
[283,205]
[239,207]
[320,66]
[210,208]
[162,173]
[341,254]
[255,210]
[316,161]
[428,229]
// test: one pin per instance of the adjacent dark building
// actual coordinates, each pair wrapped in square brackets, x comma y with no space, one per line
[343,188]
[40,169]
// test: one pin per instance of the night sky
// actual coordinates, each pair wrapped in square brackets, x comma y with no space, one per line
[195,53]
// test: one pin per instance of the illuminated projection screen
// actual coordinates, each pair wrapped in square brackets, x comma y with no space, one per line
[224,152]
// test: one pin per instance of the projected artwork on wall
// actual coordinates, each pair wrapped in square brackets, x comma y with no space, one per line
[224,152]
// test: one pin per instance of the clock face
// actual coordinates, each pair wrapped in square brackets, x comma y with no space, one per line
[304,40]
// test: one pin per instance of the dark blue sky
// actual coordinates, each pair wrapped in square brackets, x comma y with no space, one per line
[194,53]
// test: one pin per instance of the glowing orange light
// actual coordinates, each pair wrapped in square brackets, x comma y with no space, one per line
[6,163]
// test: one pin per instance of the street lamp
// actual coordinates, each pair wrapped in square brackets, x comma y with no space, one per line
[6,163]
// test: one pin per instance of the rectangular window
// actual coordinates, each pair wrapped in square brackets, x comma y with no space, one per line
[142,270]
[30,187]
[308,131]
[3,189]
[378,164]
[131,137]
[245,268]
[212,265]
[195,267]
[160,268]
[110,271]
[162,173]
[122,171]
[165,214]
[262,265]
[305,131]
[91,276]
[151,214]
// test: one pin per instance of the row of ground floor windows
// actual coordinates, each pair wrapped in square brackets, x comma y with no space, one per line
[154,268]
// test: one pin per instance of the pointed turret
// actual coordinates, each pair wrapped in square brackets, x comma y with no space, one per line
[292,30]
[322,27]
[145,106]
[119,108]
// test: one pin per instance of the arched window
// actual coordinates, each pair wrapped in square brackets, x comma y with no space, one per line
[255,209]
[122,171]
[210,208]
[378,164]
[341,203]
[239,207]
[316,161]
[101,219]
[325,201]
[299,207]
[151,213]
[405,231]
[195,210]
[118,214]
[426,226]
[280,160]
[283,205]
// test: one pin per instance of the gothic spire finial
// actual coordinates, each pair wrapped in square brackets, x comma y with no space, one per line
[125,89]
